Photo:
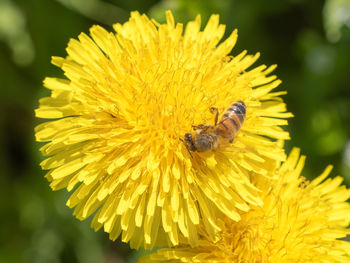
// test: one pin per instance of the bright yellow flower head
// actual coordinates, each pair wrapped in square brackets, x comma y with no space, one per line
[300,221]
[128,99]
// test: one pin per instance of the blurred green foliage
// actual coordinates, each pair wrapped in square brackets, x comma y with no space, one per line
[309,40]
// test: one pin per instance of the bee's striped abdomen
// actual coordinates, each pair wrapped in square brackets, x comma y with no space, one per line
[231,121]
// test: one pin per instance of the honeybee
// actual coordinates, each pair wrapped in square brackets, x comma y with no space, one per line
[209,138]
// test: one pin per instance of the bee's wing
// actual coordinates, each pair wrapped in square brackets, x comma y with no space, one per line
[241,117]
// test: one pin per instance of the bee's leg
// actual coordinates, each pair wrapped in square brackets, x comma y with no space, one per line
[186,147]
[199,127]
[216,111]
[195,127]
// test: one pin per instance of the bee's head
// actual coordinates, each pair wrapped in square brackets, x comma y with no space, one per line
[188,137]
[188,140]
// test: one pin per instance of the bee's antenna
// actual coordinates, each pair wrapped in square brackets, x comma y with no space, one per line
[186,147]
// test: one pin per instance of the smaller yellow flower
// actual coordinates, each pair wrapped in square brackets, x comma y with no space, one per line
[300,221]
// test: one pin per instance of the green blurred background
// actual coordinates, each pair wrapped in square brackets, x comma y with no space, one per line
[309,40]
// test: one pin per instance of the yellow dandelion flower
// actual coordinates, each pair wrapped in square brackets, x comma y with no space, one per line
[128,99]
[300,221]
